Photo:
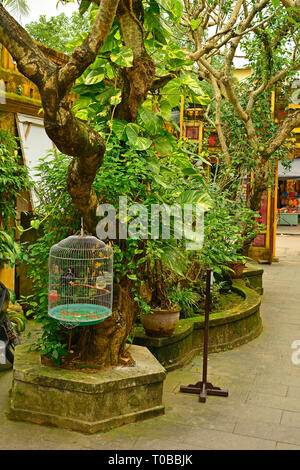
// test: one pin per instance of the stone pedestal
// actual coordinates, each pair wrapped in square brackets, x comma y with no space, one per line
[85,402]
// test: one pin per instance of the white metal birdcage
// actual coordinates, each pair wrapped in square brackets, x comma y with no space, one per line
[80,281]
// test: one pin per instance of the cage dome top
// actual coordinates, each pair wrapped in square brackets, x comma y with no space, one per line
[81,242]
[81,246]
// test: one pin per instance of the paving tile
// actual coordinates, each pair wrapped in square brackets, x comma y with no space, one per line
[218,440]
[163,444]
[282,403]
[276,378]
[273,431]
[200,418]
[284,446]
[290,418]
[294,391]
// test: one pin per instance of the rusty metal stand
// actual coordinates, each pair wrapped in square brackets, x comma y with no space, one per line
[205,388]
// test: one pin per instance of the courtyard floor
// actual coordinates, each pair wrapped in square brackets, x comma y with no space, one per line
[263,407]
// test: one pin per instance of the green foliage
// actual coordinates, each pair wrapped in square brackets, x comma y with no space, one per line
[17,319]
[122,57]
[227,230]
[53,341]
[186,299]
[13,178]
[61,222]
[9,250]
[59,32]
[84,6]
[13,181]
[133,170]
[242,154]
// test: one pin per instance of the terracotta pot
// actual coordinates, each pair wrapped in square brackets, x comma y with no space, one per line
[160,322]
[238,268]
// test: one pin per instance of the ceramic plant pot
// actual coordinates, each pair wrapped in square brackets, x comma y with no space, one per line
[160,323]
[238,268]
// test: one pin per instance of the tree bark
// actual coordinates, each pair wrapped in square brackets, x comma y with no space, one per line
[54,82]
[137,80]
[105,343]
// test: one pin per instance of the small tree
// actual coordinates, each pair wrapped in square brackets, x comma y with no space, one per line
[125,40]
[268,34]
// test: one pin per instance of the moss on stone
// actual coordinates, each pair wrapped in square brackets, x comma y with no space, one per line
[229,328]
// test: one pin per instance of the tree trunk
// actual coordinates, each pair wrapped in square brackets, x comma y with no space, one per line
[105,343]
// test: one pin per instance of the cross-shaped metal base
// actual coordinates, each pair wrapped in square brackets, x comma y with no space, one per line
[203,389]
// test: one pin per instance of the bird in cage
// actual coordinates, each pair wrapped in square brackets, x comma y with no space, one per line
[80,281]
[67,277]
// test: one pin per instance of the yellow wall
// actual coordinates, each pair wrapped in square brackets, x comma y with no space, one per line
[7,276]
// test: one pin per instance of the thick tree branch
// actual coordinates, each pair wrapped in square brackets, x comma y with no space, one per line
[30,59]
[241,27]
[83,56]
[70,135]
[137,80]
[283,133]
[218,123]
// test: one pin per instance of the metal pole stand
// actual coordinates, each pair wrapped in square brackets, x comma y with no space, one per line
[205,388]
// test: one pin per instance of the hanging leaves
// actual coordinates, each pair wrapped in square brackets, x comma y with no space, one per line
[138,143]
[84,6]
[163,146]
[122,57]
[118,127]
[152,122]
[95,76]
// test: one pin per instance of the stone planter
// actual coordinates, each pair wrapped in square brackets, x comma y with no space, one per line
[161,323]
[228,329]
[253,275]
[93,402]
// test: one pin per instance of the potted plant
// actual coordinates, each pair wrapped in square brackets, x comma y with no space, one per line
[230,229]
[159,316]
[237,266]
[161,322]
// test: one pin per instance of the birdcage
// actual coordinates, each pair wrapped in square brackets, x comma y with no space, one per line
[80,281]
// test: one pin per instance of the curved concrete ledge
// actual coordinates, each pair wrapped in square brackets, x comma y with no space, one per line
[228,329]
[253,275]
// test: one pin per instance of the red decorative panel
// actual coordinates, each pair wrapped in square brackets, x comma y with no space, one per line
[192,132]
[260,240]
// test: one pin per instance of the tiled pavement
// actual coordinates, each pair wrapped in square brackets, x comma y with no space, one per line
[263,407]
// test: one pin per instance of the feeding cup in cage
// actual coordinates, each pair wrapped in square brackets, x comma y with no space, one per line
[80,281]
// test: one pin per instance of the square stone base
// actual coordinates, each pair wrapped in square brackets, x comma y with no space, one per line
[83,402]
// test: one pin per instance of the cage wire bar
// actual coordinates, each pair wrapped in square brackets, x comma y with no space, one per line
[80,281]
